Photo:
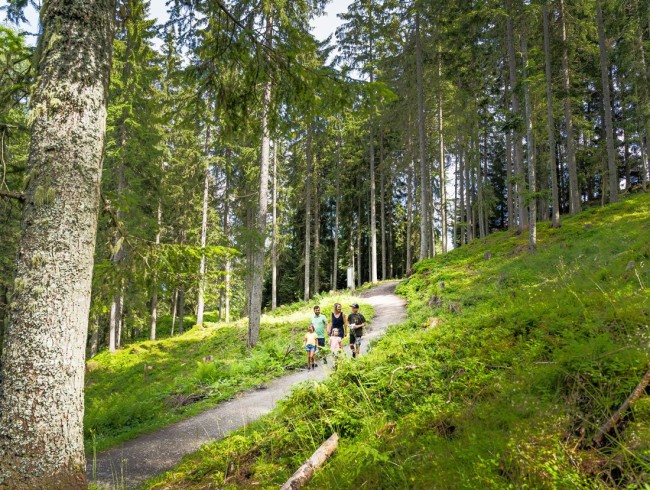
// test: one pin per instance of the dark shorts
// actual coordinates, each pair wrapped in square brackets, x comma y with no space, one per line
[321,342]
[355,338]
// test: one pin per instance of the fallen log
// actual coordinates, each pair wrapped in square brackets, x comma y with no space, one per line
[303,474]
[614,419]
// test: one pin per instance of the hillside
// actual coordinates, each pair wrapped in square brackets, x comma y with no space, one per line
[506,368]
[150,384]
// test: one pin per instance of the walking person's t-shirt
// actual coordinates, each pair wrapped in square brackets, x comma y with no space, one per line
[319,322]
[356,319]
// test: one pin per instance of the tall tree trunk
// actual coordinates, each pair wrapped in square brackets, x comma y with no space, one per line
[41,395]
[316,288]
[310,164]
[373,204]
[607,104]
[257,283]
[409,212]
[552,163]
[461,195]
[468,193]
[226,233]
[274,244]
[530,151]
[512,221]
[181,309]
[382,203]
[359,281]
[441,167]
[424,216]
[337,216]
[574,189]
[200,307]
[154,296]
[518,153]
[174,311]
[351,283]
[479,180]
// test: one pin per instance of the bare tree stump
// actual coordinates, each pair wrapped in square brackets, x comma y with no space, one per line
[307,470]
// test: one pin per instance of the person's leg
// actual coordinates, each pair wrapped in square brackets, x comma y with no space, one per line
[321,343]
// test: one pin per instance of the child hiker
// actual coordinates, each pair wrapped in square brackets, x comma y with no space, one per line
[311,340]
[336,344]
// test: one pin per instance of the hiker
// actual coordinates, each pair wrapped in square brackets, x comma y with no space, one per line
[310,346]
[356,322]
[338,321]
[319,322]
[336,344]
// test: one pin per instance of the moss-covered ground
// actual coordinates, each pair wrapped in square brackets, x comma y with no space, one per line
[506,368]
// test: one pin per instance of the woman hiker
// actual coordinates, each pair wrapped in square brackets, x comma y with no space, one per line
[338,320]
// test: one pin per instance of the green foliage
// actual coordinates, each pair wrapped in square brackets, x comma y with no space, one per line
[148,384]
[498,379]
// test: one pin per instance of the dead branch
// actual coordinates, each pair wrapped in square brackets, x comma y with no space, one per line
[412,367]
[12,195]
[302,476]
[615,419]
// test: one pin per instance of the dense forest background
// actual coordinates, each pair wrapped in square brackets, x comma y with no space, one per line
[248,165]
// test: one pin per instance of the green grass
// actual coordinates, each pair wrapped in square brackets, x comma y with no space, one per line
[147,385]
[499,379]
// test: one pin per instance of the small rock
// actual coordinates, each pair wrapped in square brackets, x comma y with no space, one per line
[208,359]
[442,284]
[630,265]
[588,226]
[487,255]
[435,302]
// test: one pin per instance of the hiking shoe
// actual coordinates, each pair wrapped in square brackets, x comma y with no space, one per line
[324,361]
[315,365]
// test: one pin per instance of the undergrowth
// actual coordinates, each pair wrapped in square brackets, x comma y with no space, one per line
[508,365]
[150,384]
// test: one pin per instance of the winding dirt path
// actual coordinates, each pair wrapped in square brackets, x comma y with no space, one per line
[132,463]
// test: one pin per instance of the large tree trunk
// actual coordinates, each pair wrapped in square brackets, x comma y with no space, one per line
[200,306]
[530,152]
[337,217]
[461,194]
[257,280]
[154,296]
[518,153]
[409,211]
[310,164]
[612,168]
[422,141]
[181,310]
[509,172]
[274,225]
[574,189]
[382,203]
[316,288]
[226,234]
[441,167]
[41,396]
[373,204]
[552,162]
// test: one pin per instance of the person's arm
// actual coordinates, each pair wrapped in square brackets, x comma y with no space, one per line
[363,320]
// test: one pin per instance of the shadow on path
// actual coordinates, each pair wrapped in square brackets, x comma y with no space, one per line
[133,462]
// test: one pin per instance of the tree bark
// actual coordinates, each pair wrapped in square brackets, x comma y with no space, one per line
[154,296]
[274,224]
[382,202]
[409,209]
[518,151]
[310,164]
[316,288]
[200,307]
[574,190]
[530,152]
[303,474]
[612,168]
[441,166]
[337,216]
[424,215]
[41,396]
[552,162]
[257,280]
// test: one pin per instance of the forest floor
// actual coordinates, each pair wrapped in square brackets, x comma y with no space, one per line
[508,365]
[135,461]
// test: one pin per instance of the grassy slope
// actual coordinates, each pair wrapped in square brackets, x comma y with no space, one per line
[148,384]
[500,387]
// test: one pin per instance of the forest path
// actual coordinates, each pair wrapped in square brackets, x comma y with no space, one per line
[132,463]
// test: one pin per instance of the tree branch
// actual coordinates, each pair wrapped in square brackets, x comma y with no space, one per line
[19,196]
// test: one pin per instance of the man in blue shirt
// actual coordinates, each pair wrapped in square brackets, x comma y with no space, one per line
[319,321]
